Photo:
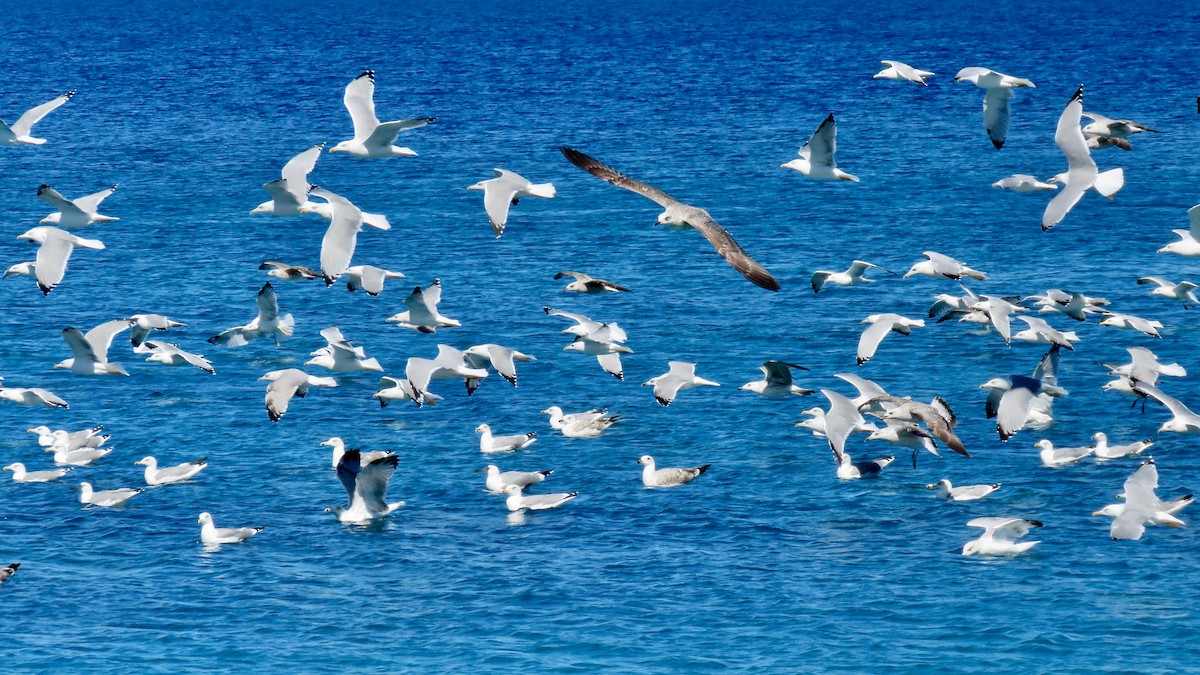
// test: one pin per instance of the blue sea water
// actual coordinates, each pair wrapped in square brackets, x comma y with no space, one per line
[768,562]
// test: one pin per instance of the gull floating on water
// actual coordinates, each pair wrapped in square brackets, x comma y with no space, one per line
[504,190]
[115,497]
[851,277]
[7,571]
[816,157]
[938,266]
[212,535]
[587,424]
[497,480]
[18,133]
[366,486]
[170,474]
[79,457]
[777,381]
[963,493]
[848,469]
[91,350]
[422,314]
[1023,182]
[340,355]
[681,376]
[1104,451]
[1142,505]
[1082,173]
[53,253]
[587,284]
[1189,239]
[902,71]
[170,354]
[1000,536]
[372,138]
[76,212]
[289,382]
[268,322]
[517,501]
[84,438]
[288,272]
[881,325]
[670,477]
[1052,456]
[20,475]
[490,443]
[676,214]
[996,101]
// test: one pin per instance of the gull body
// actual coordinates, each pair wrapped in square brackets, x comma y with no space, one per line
[777,381]
[496,480]
[584,283]
[489,443]
[422,314]
[1052,457]
[366,484]
[896,70]
[963,493]
[212,535]
[681,376]
[20,475]
[1189,239]
[289,193]
[938,266]
[996,101]
[170,354]
[652,476]
[78,212]
[816,158]
[1104,451]
[1184,291]
[369,278]
[1022,182]
[1142,506]
[506,190]
[342,356]
[853,276]
[517,501]
[587,424]
[881,326]
[144,323]
[372,138]
[91,350]
[286,383]
[1000,536]
[288,272]
[106,498]
[170,474]
[1082,173]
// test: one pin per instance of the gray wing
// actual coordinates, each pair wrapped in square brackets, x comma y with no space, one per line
[281,390]
[80,346]
[360,102]
[732,252]
[871,337]
[90,203]
[778,372]
[995,114]
[268,304]
[841,419]
[822,144]
[385,134]
[50,266]
[433,295]
[372,483]
[1013,409]
[606,172]
[1141,503]
[1081,171]
[55,199]
[34,115]
[372,279]
[101,337]
[341,237]
[295,173]
[497,197]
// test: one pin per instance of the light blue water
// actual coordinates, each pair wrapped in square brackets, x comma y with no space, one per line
[766,563]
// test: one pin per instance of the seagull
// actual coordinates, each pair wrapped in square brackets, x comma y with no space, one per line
[326,208]
[1164,516]
[20,475]
[341,237]
[816,156]
[588,284]
[587,424]
[91,350]
[842,419]
[25,269]
[212,535]
[504,190]
[940,266]
[396,389]
[1141,505]
[80,457]
[964,493]
[372,138]
[144,323]
[1182,291]
[268,322]
[1041,332]
[1075,305]
[585,327]
[871,396]
[680,215]
[907,435]
[497,480]
[290,192]
[490,443]
[1011,400]
[1000,536]
[1107,126]
[53,253]
[516,501]
[881,325]
[995,102]
[366,486]
[287,383]
[1082,172]
[936,416]
[341,356]
[31,396]
[1104,451]
[605,347]
[1188,244]
[817,424]
[170,354]
[115,497]
[502,359]
[902,71]
[422,313]
[289,272]
[999,312]
[170,474]
[450,364]
[84,438]
[77,212]
[1146,326]
[848,469]
[1143,367]
[653,477]
[1052,456]
[339,450]
[777,381]
[1183,421]
[1023,182]
[369,278]
[18,132]
[681,376]
[851,277]
[7,571]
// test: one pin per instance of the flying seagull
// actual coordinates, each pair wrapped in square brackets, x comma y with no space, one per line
[1082,173]
[902,71]
[816,156]
[678,214]
[372,138]
[995,102]
[505,190]
[18,132]
[75,212]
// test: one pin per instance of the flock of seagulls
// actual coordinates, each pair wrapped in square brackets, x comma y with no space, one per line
[1016,401]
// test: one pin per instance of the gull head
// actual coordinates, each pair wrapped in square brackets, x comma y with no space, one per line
[483,427]
[146,461]
[645,459]
[912,271]
[1110,510]
[553,410]
[332,441]
[996,383]
[344,146]
[52,218]
[941,483]
[481,185]
[1100,437]
[204,519]
[512,489]
[574,347]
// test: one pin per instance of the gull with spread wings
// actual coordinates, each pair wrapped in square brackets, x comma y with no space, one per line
[679,214]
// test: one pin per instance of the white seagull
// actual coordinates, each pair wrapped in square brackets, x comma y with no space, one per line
[963,493]
[1000,536]
[1052,456]
[1011,400]
[422,314]
[80,457]
[115,497]
[605,346]
[777,381]
[497,480]
[20,475]
[516,501]
[1104,451]
[212,535]
[1189,239]
[995,102]
[31,396]
[1107,126]
[290,193]
[341,237]
[25,269]
[342,356]
[91,350]
[144,323]
[1142,505]
[372,138]
[681,376]
[587,424]
[501,358]
[18,132]
[289,382]
[670,477]
[1082,173]
[851,277]
[848,469]
[1184,291]
[1043,333]
[170,354]
[881,325]
[268,322]
[170,474]
[84,438]
[1146,326]
[938,266]
[588,284]
[366,486]
[288,272]
[1023,182]
[489,443]
[53,253]
[504,190]
[76,212]
[398,389]
[369,278]
[902,71]
[1183,420]
[816,156]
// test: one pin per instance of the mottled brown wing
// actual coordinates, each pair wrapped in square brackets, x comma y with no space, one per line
[606,172]
[730,251]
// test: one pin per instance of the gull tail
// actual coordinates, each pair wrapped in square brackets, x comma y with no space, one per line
[544,190]
[286,325]
[1108,183]
[93,243]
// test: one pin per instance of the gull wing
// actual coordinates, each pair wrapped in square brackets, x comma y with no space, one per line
[1081,171]
[341,237]
[1014,407]
[360,102]
[822,144]
[372,279]
[50,266]
[80,347]
[841,419]
[55,199]
[497,197]
[871,337]
[1004,529]
[1047,368]
[1174,405]
[1194,219]
[287,383]
[385,134]
[995,114]
[419,313]
[281,192]
[89,203]
[611,363]
[268,304]
[34,115]
[295,173]
[371,483]
[502,361]
[778,372]
[732,252]
[419,372]
[607,173]
[101,337]
[1141,503]
[348,468]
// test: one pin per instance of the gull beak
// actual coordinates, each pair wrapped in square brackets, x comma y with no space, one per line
[1097,513]
[44,220]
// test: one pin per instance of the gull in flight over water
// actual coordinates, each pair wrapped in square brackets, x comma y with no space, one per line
[902,71]
[995,102]
[851,277]
[938,266]
[369,278]
[422,313]
[289,382]
[50,266]
[290,194]
[1000,536]
[1189,239]
[587,284]
[288,272]
[340,355]
[372,138]
[18,132]
[1183,291]
[1082,172]
[268,322]
[30,396]
[76,212]
[681,376]
[505,190]
[144,323]
[676,214]
[1023,182]
[777,381]
[170,354]
[1142,506]
[816,156]
[881,325]
[91,350]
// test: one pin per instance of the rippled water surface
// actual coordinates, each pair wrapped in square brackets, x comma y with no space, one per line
[768,562]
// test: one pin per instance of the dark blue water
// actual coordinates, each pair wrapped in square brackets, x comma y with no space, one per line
[766,563]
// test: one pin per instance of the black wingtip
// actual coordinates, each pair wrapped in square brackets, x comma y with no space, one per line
[366,73]
[1078,95]
[998,144]
[701,469]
